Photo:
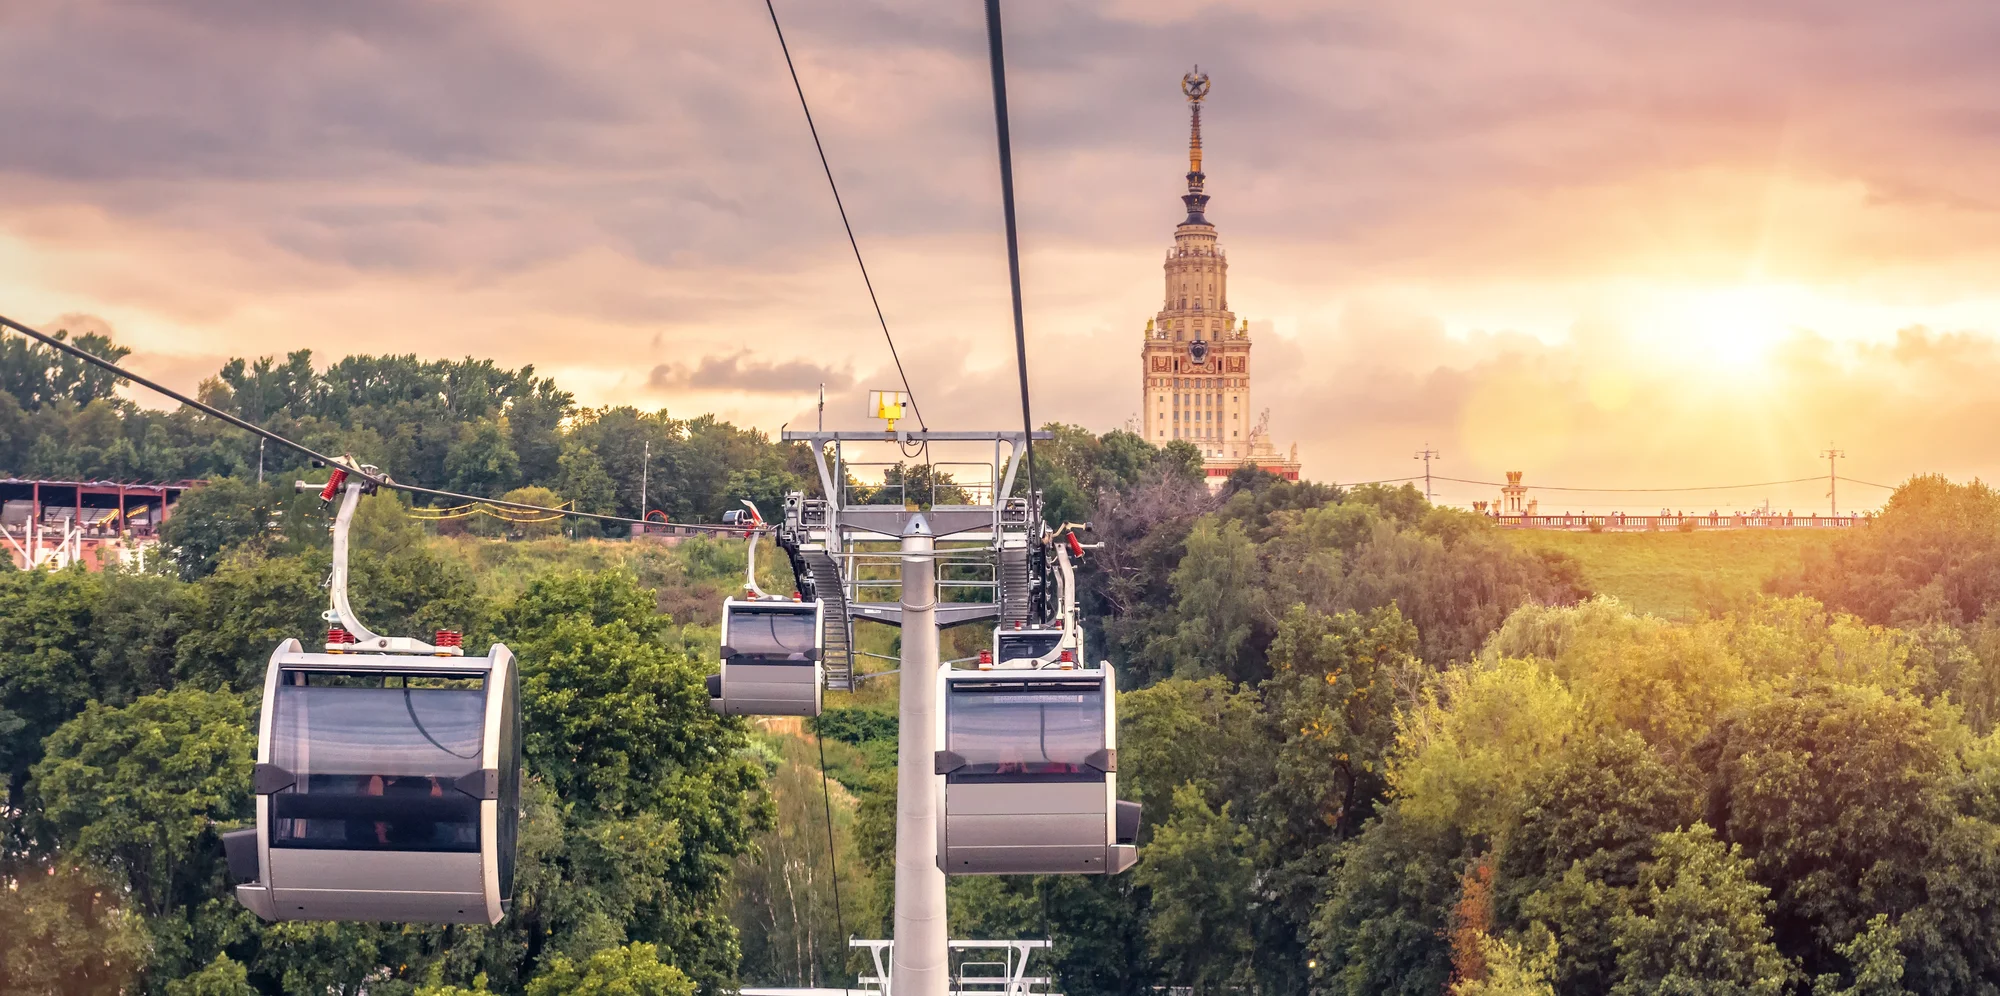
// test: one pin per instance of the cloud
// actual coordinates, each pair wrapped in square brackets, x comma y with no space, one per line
[1437,215]
[737,372]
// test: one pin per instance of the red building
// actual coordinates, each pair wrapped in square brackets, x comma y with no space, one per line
[46,523]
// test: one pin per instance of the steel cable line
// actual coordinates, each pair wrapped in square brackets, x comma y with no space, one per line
[998,58]
[852,242]
[1704,487]
[832,852]
[382,480]
[1872,484]
[1386,480]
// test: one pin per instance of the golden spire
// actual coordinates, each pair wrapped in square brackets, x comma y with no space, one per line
[1194,86]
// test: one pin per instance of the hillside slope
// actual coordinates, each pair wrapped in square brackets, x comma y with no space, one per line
[1678,575]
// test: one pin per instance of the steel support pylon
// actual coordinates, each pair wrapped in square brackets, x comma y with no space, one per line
[920,963]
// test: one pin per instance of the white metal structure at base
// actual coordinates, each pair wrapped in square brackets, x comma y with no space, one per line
[984,968]
[36,545]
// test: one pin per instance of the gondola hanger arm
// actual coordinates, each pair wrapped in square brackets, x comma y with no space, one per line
[339,612]
[754,530]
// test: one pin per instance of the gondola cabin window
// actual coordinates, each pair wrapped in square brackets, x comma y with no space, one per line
[1005,730]
[761,635]
[378,761]
[1026,644]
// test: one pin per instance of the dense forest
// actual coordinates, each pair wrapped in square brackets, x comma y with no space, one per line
[1381,748]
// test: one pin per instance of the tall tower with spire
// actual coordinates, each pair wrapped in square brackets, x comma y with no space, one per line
[1196,358]
[1195,361]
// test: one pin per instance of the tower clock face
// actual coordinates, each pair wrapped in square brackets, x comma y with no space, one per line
[1198,351]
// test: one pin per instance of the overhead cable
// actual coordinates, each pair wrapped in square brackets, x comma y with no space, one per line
[379,479]
[1703,487]
[851,241]
[832,851]
[1872,484]
[998,59]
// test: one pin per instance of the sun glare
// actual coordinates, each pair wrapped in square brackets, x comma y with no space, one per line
[1731,330]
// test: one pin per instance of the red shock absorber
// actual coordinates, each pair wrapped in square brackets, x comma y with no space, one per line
[448,638]
[336,636]
[333,484]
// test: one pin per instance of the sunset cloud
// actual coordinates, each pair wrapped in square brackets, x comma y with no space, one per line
[1603,242]
[737,372]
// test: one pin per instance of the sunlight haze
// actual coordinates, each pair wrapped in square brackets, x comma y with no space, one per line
[1608,245]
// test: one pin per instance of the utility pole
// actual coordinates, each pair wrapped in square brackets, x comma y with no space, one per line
[1427,455]
[260,461]
[645,469]
[1830,455]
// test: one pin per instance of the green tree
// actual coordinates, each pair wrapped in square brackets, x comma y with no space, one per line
[1198,868]
[1698,925]
[1216,589]
[136,621]
[530,524]
[1877,964]
[1933,554]
[534,425]
[1094,921]
[1580,912]
[631,970]
[1191,732]
[659,793]
[1337,684]
[1382,930]
[782,891]
[1129,586]
[1837,797]
[221,977]
[237,616]
[1587,825]
[211,520]
[1476,739]
[37,375]
[45,623]
[66,928]
[581,479]
[482,462]
[1510,970]
[139,790]
[1181,459]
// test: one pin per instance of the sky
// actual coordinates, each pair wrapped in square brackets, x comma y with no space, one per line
[1608,244]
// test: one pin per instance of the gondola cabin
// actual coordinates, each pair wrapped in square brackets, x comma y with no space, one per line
[388,789]
[771,650]
[1027,775]
[1026,648]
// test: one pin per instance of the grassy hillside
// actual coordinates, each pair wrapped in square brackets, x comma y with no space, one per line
[1676,574]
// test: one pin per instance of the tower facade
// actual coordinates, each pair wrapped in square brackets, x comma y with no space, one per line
[1195,361]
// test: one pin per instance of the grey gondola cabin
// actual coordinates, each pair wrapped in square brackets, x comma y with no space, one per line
[388,789]
[771,666]
[1028,775]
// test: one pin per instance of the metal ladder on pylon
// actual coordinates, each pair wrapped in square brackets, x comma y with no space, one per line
[838,657]
[1015,596]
